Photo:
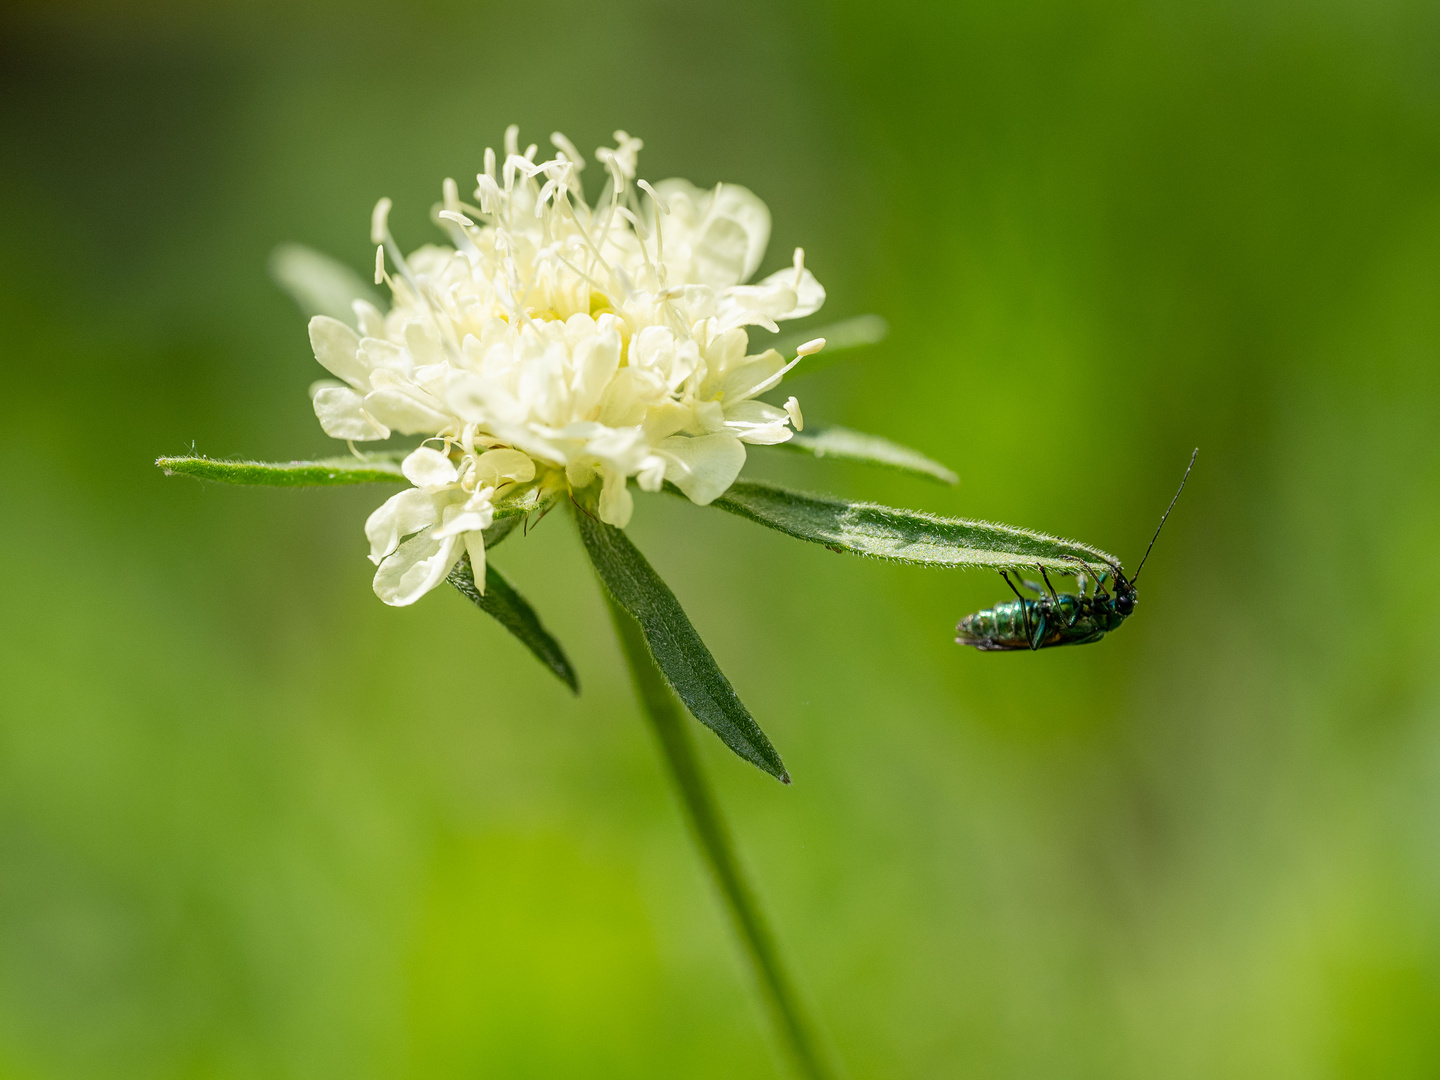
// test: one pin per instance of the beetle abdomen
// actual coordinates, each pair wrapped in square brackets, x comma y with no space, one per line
[1002,627]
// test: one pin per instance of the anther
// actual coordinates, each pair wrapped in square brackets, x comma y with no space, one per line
[379,264]
[792,407]
[458,218]
[566,147]
[487,191]
[659,202]
[512,141]
[378,226]
[810,348]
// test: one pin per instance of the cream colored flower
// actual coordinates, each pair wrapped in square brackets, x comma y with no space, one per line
[556,344]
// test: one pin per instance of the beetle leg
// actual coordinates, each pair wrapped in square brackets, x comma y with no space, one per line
[1046,576]
[1100,586]
[1075,608]
[1013,589]
[1039,635]
[1024,604]
[1081,577]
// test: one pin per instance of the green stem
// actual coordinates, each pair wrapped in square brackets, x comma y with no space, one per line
[668,723]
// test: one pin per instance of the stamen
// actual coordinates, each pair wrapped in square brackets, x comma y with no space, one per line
[635,222]
[460,234]
[488,191]
[792,407]
[642,235]
[627,153]
[661,208]
[661,203]
[380,234]
[586,236]
[584,276]
[566,147]
[512,140]
[490,163]
[607,156]
[378,225]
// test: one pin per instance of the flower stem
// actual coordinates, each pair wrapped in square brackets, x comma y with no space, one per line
[703,813]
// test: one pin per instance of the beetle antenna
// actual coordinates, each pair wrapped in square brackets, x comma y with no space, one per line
[1193,456]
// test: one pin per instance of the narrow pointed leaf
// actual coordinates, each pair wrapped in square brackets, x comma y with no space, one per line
[908,536]
[839,442]
[511,509]
[318,284]
[510,610]
[675,646]
[325,472]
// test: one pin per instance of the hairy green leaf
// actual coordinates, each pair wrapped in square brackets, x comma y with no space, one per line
[908,536]
[675,646]
[839,442]
[510,610]
[318,284]
[511,509]
[372,468]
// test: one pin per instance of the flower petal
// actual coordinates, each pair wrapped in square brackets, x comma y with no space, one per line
[596,360]
[398,517]
[475,548]
[416,567]
[496,466]
[377,354]
[405,413]
[428,468]
[747,380]
[616,502]
[369,319]
[424,343]
[336,347]
[724,231]
[807,293]
[758,423]
[474,515]
[342,415]
[703,466]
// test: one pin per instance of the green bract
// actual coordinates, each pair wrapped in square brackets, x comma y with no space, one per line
[908,536]
[509,608]
[673,643]
[365,469]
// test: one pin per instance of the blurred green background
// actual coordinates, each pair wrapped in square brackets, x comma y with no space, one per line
[255,824]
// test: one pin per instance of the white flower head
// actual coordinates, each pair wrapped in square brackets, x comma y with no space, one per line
[556,345]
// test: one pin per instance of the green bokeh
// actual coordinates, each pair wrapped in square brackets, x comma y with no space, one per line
[255,824]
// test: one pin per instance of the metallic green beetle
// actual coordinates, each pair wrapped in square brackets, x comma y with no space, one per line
[1059,618]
